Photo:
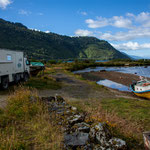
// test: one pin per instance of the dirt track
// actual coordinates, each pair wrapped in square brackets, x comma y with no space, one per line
[75,89]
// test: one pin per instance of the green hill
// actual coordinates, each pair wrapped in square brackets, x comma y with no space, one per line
[40,45]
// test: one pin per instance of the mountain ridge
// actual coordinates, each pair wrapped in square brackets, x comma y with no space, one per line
[40,45]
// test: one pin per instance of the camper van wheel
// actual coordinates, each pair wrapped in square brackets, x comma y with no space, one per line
[5,83]
[26,77]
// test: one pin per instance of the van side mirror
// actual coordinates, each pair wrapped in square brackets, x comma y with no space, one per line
[27,62]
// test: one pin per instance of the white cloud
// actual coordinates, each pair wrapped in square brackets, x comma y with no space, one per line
[125,36]
[116,21]
[5,3]
[101,22]
[83,13]
[47,31]
[40,14]
[131,46]
[81,32]
[143,17]
[130,15]
[121,22]
[24,12]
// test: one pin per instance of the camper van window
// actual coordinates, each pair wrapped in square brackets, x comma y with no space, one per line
[9,57]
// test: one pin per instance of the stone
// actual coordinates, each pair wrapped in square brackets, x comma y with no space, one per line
[73,108]
[75,119]
[100,134]
[49,99]
[59,99]
[76,139]
[118,144]
[82,127]
[99,147]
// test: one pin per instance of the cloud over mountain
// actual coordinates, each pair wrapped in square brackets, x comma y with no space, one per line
[4,3]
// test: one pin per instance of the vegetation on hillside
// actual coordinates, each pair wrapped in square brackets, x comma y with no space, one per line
[40,45]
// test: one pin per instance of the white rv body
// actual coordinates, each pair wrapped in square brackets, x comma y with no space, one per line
[13,65]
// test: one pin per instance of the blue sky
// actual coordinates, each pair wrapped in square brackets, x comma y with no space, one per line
[123,23]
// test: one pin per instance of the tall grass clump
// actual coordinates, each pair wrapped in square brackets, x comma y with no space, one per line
[25,123]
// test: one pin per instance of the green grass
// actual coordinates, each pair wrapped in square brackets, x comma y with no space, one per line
[42,83]
[133,110]
[127,118]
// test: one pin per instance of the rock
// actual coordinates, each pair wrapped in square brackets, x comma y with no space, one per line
[118,144]
[73,108]
[49,99]
[76,139]
[87,147]
[75,119]
[82,127]
[59,99]
[103,70]
[100,134]
[99,147]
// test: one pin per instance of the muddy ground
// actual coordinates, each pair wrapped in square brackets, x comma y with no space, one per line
[122,78]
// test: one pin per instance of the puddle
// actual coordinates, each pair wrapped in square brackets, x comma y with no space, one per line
[114,85]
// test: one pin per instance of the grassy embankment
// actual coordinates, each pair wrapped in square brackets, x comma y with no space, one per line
[25,123]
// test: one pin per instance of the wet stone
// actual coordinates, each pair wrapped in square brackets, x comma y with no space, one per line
[76,139]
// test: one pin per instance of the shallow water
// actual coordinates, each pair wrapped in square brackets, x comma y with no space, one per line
[140,71]
[114,85]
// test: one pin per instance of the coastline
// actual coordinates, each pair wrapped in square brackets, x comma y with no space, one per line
[122,78]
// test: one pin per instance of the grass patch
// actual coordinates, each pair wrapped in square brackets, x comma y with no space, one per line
[126,118]
[44,82]
[26,124]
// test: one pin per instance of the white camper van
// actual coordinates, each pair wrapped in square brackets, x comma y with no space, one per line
[14,66]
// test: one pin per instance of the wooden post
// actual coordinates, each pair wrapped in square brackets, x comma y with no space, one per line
[146,137]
